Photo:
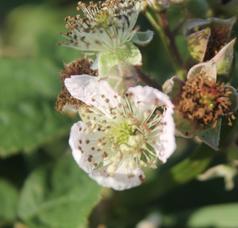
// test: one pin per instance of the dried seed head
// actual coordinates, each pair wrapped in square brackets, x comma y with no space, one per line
[77,67]
[204,101]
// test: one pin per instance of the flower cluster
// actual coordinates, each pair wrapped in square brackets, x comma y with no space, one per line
[121,132]
[127,127]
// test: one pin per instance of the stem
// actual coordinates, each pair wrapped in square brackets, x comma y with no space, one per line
[160,22]
[147,80]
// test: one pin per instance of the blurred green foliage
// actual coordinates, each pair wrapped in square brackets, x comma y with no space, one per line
[40,184]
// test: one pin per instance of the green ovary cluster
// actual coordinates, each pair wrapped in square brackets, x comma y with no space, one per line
[121,132]
[102,19]
[208,101]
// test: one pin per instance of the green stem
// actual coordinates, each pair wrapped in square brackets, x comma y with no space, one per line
[160,24]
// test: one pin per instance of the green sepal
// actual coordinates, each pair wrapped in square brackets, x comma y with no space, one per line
[184,127]
[224,58]
[211,136]
[206,69]
[173,87]
[197,43]
[129,54]
[233,98]
[143,38]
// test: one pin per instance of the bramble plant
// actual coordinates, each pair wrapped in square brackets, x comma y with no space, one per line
[143,132]
[120,134]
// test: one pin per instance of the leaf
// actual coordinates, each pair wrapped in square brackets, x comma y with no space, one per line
[38,34]
[28,89]
[215,216]
[8,199]
[128,54]
[143,38]
[211,136]
[225,171]
[60,196]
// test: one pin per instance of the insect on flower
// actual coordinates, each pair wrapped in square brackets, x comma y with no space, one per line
[120,135]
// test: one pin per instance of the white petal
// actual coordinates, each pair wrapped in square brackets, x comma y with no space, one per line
[86,154]
[83,146]
[123,178]
[93,92]
[165,143]
[206,69]
[146,98]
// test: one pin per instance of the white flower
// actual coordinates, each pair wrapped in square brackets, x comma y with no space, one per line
[120,135]
[102,26]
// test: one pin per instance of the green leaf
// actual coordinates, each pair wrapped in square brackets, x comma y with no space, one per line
[60,196]
[215,216]
[38,34]
[8,199]
[128,54]
[28,89]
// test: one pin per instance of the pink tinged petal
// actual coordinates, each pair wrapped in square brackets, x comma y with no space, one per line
[93,92]
[84,148]
[165,143]
[206,69]
[163,139]
[146,98]
[123,178]
[85,152]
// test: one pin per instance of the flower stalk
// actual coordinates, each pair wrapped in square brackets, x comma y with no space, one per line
[159,21]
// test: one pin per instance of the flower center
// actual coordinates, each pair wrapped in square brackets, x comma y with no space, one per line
[121,132]
[204,101]
[102,19]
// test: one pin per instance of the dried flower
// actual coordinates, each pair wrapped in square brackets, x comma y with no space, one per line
[204,101]
[65,102]
[201,101]
[119,135]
